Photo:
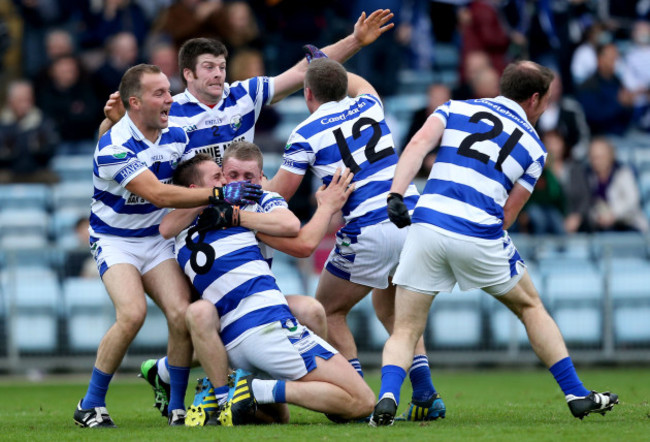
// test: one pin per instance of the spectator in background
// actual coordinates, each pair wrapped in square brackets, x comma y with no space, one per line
[565,115]
[485,84]
[121,54]
[380,64]
[571,175]
[58,42]
[482,29]
[27,138]
[615,194]
[111,18]
[165,56]
[437,95]
[38,16]
[607,104]
[473,62]
[68,99]
[584,61]
[637,72]
[186,19]
[238,28]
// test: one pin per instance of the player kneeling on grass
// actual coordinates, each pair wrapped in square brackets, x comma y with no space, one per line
[223,260]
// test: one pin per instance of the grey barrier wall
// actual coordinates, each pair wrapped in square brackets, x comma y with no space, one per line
[596,287]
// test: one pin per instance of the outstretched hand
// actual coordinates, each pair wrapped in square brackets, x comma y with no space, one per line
[368,29]
[335,195]
[114,108]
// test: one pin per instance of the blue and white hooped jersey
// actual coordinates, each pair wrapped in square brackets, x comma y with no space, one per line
[212,130]
[123,153]
[237,279]
[487,146]
[350,133]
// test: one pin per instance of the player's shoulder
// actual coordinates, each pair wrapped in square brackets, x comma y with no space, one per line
[175,133]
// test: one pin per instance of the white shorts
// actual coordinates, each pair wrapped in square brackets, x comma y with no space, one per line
[280,350]
[433,261]
[370,257]
[144,253]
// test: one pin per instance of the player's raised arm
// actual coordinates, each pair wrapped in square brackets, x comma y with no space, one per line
[366,30]
[358,85]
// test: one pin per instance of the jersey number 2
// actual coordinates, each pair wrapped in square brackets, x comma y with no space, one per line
[372,155]
[465,148]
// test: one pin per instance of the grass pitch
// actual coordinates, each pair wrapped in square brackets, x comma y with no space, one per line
[481,405]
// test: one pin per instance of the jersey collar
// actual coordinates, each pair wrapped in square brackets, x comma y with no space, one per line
[192,99]
[512,105]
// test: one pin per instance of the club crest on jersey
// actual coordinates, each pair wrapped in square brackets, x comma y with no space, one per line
[235,122]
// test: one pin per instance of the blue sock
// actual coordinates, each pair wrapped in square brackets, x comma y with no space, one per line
[97,388]
[565,374]
[357,366]
[221,393]
[279,392]
[420,375]
[178,378]
[392,378]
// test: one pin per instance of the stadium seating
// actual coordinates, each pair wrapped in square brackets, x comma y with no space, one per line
[455,319]
[629,287]
[73,194]
[15,221]
[24,196]
[73,167]
[32,300]
[576,300]
[88,312]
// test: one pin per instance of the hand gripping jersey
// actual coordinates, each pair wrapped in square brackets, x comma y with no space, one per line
[350,133]
[234,275]
[122,154]
[488,145]
[212,130]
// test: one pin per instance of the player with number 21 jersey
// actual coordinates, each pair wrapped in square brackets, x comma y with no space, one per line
[466,196]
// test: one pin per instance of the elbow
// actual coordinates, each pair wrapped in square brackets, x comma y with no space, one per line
[165,231]
[292,228]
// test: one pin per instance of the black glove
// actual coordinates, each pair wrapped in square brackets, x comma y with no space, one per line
[218,216]
[398,213]
[239,192]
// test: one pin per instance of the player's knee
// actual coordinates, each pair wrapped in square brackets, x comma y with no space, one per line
[131,321]
[362,404]
[200,316]
[313,315]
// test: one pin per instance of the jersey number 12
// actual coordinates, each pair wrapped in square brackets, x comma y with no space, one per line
[371,154]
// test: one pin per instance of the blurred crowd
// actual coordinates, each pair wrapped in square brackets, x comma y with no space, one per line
[60,59]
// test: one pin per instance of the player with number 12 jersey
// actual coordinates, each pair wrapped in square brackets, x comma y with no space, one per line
[351,133]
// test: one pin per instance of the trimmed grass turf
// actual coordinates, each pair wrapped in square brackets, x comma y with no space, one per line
[494,405]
